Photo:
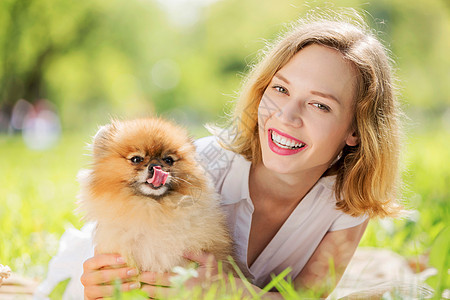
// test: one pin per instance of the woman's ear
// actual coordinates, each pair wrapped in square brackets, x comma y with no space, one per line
[352,139]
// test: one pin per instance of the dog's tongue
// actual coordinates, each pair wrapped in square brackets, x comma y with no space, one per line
[159,177]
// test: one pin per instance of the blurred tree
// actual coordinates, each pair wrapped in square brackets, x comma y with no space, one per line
[95,58]
[77,54]
[34,33]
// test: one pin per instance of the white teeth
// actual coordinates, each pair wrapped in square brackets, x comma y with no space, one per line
[285,143]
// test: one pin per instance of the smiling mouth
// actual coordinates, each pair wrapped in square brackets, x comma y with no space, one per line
[284,141]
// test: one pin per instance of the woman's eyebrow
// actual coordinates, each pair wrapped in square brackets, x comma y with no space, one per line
[282,78]
[324,95]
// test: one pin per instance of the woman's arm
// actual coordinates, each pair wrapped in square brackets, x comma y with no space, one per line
[334,251]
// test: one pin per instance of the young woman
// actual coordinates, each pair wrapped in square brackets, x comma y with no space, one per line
[311,155]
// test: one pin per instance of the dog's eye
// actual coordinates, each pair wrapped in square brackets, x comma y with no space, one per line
[168,160]
[136,159]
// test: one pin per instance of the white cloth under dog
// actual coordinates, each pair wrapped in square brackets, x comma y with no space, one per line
[291,247]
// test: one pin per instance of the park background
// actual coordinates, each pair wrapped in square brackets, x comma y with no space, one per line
[67,67]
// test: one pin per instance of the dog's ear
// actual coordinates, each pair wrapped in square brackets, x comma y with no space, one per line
[189,145]
[191,140]
[102,139]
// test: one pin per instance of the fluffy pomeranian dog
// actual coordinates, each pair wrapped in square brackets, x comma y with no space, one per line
[150,198]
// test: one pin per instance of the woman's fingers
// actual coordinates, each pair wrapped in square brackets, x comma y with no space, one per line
[105,268]
[107,275]
[156,285]
[153,278]
[202,258]
[207,264]
[104,260]
[156,292]
[101,272]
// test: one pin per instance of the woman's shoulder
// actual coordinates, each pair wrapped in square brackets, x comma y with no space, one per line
[341,219]
[210,151]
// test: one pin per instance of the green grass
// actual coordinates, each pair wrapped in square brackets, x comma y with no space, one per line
[38,194]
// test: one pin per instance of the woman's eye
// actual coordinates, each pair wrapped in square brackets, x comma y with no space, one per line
[280,89]
[168,160]
[137,159]
[322,106]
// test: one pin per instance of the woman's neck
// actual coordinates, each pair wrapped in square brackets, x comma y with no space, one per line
[284,188]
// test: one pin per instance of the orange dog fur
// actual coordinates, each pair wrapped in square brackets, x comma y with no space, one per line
[151,226]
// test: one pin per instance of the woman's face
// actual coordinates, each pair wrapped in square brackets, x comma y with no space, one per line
[306,112]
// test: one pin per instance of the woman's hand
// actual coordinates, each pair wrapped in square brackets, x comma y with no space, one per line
[159,284]
[100,272]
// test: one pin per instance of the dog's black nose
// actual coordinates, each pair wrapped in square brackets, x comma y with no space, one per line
[150,168]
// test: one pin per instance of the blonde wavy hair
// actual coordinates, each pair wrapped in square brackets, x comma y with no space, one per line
[367,175]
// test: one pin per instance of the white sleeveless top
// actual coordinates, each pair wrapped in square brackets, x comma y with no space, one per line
[299,236]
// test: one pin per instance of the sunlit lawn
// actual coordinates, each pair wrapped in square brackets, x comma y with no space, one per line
[38,193]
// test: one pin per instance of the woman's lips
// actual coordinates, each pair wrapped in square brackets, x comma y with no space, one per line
[284,144]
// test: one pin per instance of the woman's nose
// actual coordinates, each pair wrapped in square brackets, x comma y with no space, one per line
[290,114]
